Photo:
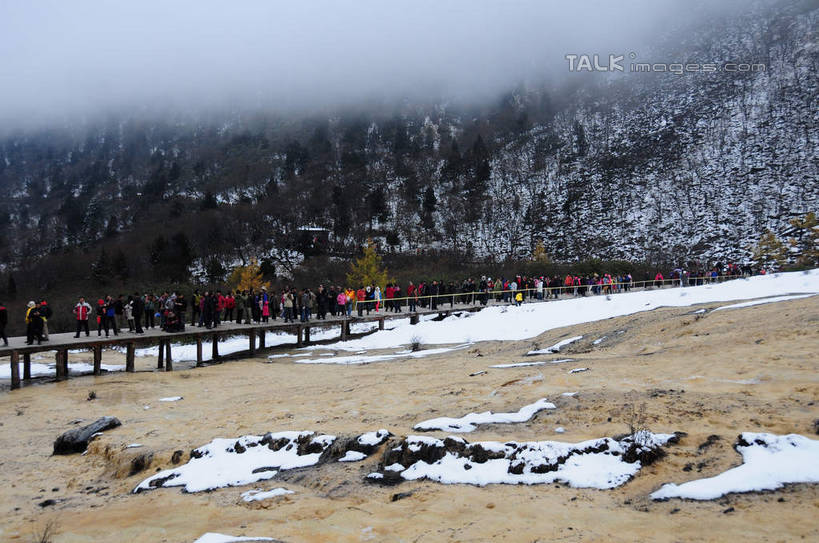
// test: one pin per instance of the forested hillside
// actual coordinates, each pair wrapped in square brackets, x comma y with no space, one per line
[654,167]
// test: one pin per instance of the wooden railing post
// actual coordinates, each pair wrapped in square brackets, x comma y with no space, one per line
[97,359]
[58,359]
[168,359]
[15,369]
[160,358]
[129,357]
[27,367]
[198,351]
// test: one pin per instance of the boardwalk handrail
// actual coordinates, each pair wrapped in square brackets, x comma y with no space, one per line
[256,332]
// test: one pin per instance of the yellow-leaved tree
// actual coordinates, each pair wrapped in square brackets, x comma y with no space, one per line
[368,269]
[248,277]
[770,252]
[540,255]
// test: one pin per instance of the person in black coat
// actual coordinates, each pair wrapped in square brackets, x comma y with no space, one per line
[138,309]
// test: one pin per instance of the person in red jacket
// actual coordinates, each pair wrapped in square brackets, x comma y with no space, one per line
[230,305]
[82,310]
[412,294]
[658,280]
[360,295]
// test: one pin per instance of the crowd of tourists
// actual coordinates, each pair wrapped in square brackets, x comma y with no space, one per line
[170,311]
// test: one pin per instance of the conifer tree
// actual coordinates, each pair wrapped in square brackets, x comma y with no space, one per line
[769,251]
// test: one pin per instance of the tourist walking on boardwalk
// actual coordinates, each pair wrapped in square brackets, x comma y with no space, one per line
[110,316]
[4,320]
[128,311]
[289,304]
[138,310]
[82,310]
[195,307]
[34,324]
[45,314]
[150,310]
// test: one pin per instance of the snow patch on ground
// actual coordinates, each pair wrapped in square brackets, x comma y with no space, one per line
[525,364]
[599,463]
[578,370]
[769,461]
[469,422]
[171,399]
[247,459]
[257,495]
[556,347]
[352,456]
[213,537]
[364,359]
[763,301]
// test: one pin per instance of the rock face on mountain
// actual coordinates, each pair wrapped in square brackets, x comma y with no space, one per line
[655,166]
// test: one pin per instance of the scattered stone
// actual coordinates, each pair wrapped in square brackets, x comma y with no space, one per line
[816,426]
[176,457]
[674,511]
[92,396]
[47,503]
[710,440]
[76,441]
[729,510]
[140,463]
[401,495]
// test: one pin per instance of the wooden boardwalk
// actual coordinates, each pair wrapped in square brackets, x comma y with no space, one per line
[19,352]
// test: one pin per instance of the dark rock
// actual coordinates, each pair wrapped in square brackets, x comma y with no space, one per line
[264,469]
[401,496]
[816,426]
[76,440]
[710,440]
[674,511]
[729,510]
[47,503]
[177,457]
[140,463]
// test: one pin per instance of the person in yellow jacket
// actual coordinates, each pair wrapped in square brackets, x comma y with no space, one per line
[34,324]
[519,298]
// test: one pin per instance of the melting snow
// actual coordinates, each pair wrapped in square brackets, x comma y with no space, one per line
[556,347]
[248,459]
[597,463]
[212,537]
[170,399]
[352,456]
[769,461]
[469,422]
[763,301]
[257,495]
[525,364]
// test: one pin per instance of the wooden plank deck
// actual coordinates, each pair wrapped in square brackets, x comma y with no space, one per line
[61,343]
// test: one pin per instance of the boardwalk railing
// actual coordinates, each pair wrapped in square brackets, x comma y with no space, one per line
[18,351]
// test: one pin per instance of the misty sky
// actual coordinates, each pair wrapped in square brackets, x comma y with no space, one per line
[62,58]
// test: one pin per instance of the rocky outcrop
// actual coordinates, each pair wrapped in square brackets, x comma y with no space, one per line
[76,440]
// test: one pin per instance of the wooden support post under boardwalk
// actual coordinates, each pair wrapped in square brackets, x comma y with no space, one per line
[168,359]
[262,337]
[252,337]
[15,369]
[306,335]
[27,367]
[215,347]
[344,329]
[97,359]
[58,359]
[414,319]
[381,323]
[298,335]
[65,362]
[160,358]
[198,351]
[129,358]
